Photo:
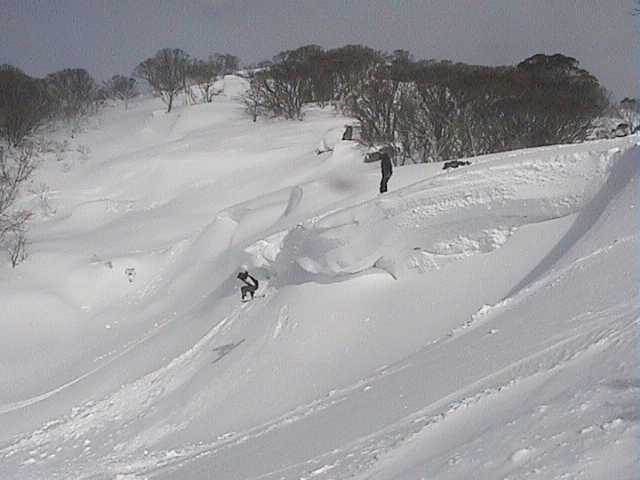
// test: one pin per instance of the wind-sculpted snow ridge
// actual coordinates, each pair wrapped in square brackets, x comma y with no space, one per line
[505,347]
[474,210]
[541,385]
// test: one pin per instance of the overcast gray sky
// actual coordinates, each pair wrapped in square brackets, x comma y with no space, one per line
[112,36]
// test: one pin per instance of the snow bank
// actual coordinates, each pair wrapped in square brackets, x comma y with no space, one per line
[496,351]
[471,211]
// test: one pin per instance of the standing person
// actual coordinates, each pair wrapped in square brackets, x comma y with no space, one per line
[250,283]
[386,169]
[348,133]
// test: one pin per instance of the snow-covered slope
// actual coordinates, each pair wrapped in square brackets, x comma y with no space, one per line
[476,323]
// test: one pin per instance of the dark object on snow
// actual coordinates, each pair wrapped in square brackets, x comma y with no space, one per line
[386,168]
[250,284]
[130,274]
[372,157]
[348,133]
[454,164]
[622,130]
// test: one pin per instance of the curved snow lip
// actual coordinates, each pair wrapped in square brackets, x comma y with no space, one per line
[621,167]
[471,211]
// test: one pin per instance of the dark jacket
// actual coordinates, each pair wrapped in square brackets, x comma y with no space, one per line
[248,279]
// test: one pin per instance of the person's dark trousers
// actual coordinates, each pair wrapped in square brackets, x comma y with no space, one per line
[247,289]
[383,183]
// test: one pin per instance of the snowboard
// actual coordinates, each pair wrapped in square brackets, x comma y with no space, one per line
[257,295]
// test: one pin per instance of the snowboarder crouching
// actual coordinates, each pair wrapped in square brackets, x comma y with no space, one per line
[250,284]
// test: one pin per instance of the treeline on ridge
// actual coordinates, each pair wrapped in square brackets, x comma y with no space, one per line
[69,95]
[430,110]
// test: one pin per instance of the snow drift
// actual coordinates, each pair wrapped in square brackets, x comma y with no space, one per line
[475,323]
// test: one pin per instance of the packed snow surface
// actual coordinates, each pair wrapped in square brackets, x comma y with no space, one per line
[472,323]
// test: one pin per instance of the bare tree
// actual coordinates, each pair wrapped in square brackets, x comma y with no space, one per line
[435,111]
[377,104]
[203,74]
[121,88]
[252,98]
[74,91]
[16,245]
[16,166]
[562,98]
[281,89]
[24,104]
[350,66]
[226,62]
[166,72]
[629,111]
[431,130]
[309,74]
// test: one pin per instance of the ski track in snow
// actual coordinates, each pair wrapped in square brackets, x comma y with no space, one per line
[363,453]
[123,406]
[351,459]
[109,439]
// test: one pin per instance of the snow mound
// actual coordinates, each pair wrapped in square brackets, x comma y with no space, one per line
[472,211]
[474,323]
